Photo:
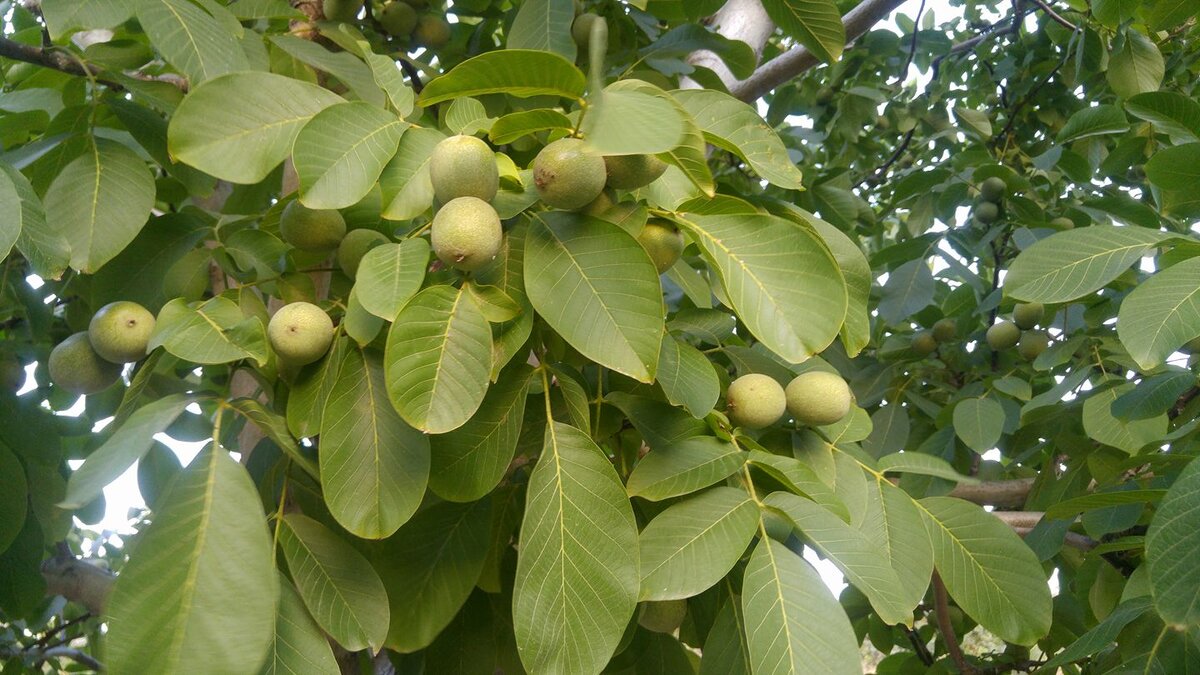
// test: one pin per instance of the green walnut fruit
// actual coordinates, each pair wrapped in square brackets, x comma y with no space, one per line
[924,343]
[1062,223]
[1032,344]
[568,174]
[120,331]
[778,527]
[663,616]
[945,330]
[1028,315]
[817,398]
[993,189]
[600,205]
[311,229]
[12,374]
[354,246]
[300,333]
[630,172]
[581,28]
[398,19]
[755,401]
[987,212]
[76,367]
[342,10]
[824,95]
[1003,335]
[432,31]
[463,166]
[663,241]
[466,233]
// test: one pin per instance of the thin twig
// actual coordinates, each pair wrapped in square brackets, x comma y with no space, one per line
[1055,15]
[946,628]
[45,639]
[912,47]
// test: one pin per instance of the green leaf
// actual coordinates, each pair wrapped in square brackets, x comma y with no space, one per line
[1161,314]
[42,244]
[623,121]
[781,280]
[239,127]
[525,122]
[1175,168]
[341,152]
[299,645]
[356,75]
[125,446]
[725,649]
[1103,634]
[517,72]
[687,377]
[1170,13]
[506,272]
[693,544]
[310,391]
[856,327]
[1169,111]
[544,25]
[794,624]
[207,550]
[801,479]
[922,464]
[1153,396]
[340,588]
[1069,265]
[64,16]
[679,43]
[862,559]
[909,289]
[1102,500]
[360,324]
[191,39]
[735,126]
[374,467]
[816,24]
[893,521]
[990,572]
[100,202]
[577,572]
[274,427]
[469,462]
[405,183]
[683,467]
[1103,427]
[390,275]
[595,285]
[889,431]
[439,359]
[1095,121]
[1113,12]
[14,497]
[1171,550]
[977,121]
[429,568]
[10,203]
[1137,67]
[979,422]
[215,331]
[264,9]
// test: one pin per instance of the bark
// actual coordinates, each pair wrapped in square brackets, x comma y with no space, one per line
[1008,494]
[79,581]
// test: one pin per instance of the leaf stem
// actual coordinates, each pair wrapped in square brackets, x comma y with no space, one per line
[279,511]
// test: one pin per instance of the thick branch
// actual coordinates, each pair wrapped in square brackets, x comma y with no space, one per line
[743,20]
[1001,493]
[78,581]
[798,59]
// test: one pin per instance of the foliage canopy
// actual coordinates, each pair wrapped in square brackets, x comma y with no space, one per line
[557,439]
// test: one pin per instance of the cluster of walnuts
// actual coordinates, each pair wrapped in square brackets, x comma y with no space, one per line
[404,19]
[92,360]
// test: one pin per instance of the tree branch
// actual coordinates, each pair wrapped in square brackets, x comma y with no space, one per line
[60,60]
[798,59]
[1001,493]
[946,628]
[78,581]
